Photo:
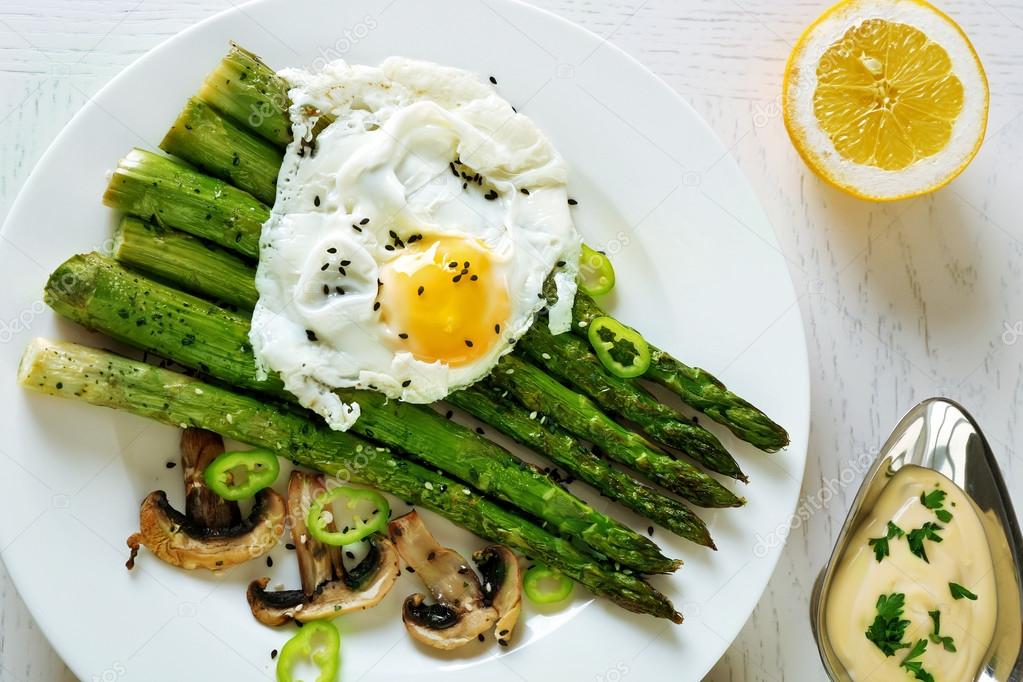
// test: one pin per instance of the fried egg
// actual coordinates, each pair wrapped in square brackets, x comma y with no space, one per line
[416,221]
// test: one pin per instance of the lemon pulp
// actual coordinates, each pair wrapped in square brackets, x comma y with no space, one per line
[886,95]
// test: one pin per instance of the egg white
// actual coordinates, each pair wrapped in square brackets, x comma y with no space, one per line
[383,164]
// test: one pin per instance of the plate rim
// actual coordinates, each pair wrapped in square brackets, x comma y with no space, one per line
[799,431]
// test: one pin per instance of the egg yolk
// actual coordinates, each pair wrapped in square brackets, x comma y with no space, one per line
[445,300]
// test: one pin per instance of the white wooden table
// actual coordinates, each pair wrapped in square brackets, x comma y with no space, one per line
[901,301]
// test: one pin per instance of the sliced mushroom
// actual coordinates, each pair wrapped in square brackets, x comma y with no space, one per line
[328,589]
[203,506]
[210,534]
[502,587]
[460,612]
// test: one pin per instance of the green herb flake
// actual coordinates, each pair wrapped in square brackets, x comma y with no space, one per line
[888,628]
[959,592]
[917,667]
[917,536]
[936,636]
[880,545]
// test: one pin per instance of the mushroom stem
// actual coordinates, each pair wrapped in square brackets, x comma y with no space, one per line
[203,506]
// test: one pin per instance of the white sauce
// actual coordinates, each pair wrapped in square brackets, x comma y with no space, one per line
[963,557]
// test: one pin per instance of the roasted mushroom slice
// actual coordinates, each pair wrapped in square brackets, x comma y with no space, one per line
[199,539]
[459,613]
[328,589]
[502,587]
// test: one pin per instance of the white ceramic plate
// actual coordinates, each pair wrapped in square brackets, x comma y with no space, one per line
[698,268]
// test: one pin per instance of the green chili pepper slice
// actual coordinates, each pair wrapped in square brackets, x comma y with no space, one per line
[622,351]
[546,593]
[318,642]
[596,275]
[240,475]
[361,526]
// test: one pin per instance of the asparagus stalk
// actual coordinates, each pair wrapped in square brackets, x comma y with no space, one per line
[170,255]
[219,147]
[577,413]
[572,360]
[171,193]
[697,387]
[560,446]
[102,378]
[103,296]
[249,92]
[567,452]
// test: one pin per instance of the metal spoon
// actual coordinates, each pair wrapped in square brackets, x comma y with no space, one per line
[941,435]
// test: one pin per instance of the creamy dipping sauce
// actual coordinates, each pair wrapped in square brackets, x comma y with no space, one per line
[961,557]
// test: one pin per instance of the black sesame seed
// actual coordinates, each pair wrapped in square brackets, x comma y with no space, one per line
[403,335]
[456,279]
[339,291]
[524,191]
[326,290]
[356,228]
[560,263]
[269,562]
[171,465]
[474,277]
[480,637]
[364,221]
[431,556]
[345,263]
[310,334]
[316,200]
[410,569]
[502,642]
[406,383]
[572,202]
[453,264]
[394,235]
[290,546]
[468,343]
[341,269]
[479,430]
[490,196]
[449,414]
[493,80]
[650,530]
[349,554]
[497,329]
[332,250]
[273,654]
[465,185]
[324,266]
[420,291]
[389,247]
[376,306]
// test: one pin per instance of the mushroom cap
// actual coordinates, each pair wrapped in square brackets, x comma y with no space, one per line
[502,586]
[441,626]
[180,541]
[377,573]
[460,612]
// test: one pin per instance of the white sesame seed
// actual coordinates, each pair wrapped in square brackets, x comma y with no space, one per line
[466,491]
[545,356]
[229,418]
[428,485]
[198,391]
[532,415]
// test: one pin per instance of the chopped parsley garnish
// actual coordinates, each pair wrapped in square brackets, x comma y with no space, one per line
[935,501]
[888,628]
[917,667]
[958,592]
[916,537]
[936,636]
[880,545]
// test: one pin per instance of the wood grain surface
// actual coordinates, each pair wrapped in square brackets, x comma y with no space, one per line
[901,301]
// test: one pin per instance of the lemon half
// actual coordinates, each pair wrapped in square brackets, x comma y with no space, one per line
[885,99]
